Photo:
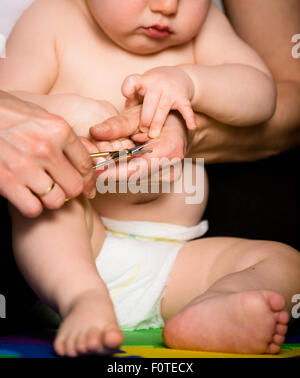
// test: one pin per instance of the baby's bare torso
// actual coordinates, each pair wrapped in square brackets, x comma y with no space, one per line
[91,65]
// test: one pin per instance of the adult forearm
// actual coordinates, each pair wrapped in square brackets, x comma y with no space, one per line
[220,143]
[35,143]
[234,94]
[13,109]
[283,130]
[272,40]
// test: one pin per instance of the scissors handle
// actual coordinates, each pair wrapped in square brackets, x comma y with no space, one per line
[100,154]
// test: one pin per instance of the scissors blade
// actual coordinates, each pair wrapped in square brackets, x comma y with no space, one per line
[117,155]
[137,149]
[104,163]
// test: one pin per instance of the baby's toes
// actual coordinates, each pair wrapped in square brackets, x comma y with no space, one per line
[81,344]
[278,339]
[281,329]
[60,345]
[282,317]
[112,339]
[273,349]
[70,349]
[275,300]
[93,340]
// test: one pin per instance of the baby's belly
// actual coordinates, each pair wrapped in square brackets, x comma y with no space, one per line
[129,206]
[174,208]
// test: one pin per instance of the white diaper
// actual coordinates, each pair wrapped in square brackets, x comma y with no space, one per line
[135,262]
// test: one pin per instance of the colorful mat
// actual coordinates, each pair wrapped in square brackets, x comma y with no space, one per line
[138,344]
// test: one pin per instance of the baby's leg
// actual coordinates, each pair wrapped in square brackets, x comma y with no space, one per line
[230,295]
[55,254]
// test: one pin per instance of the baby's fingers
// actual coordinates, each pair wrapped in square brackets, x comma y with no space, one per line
[150,104]
[159,118]
[115,145]
[131,102]
[140,138]
[187,113]
[131,86]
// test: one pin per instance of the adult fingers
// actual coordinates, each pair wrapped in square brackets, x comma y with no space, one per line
[120,126]
[26,172]
[187,113]
[81,161]
[89,146]
[46,189]
[18,194]
[67,177]
[32,174]
[64,157]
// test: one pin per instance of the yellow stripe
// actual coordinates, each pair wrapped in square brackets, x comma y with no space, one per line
[147,238]
[116,292]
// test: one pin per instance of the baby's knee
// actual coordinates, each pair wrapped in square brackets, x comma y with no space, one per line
[278,253]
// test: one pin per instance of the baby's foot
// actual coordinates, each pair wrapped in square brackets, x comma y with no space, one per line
[89,327]
[247,322]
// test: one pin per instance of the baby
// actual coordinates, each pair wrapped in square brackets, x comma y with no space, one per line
[129,261]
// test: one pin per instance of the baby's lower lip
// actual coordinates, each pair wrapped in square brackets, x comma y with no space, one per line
[156,33]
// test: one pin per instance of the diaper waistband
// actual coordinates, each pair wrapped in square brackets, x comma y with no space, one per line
[156,230]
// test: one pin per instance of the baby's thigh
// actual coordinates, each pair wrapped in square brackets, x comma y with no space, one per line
[95,228]
[202,262]
[91,223]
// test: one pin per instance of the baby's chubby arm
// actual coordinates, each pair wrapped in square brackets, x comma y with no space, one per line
[32,51]
[231,82]
[79,112]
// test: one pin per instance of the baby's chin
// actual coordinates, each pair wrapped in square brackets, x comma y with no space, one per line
[143,45]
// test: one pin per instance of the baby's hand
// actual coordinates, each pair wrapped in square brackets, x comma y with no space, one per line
[115,145]
[161,89]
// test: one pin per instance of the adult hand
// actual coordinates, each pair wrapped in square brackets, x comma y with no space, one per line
[172,140]
[38,150]
[213,141]
[219,143]
[281,22]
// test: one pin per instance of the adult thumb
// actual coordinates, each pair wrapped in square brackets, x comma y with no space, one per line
[121,126]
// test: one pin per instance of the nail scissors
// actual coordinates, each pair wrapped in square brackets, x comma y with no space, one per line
[114,156]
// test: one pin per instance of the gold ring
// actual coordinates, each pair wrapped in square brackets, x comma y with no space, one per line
[48,190]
